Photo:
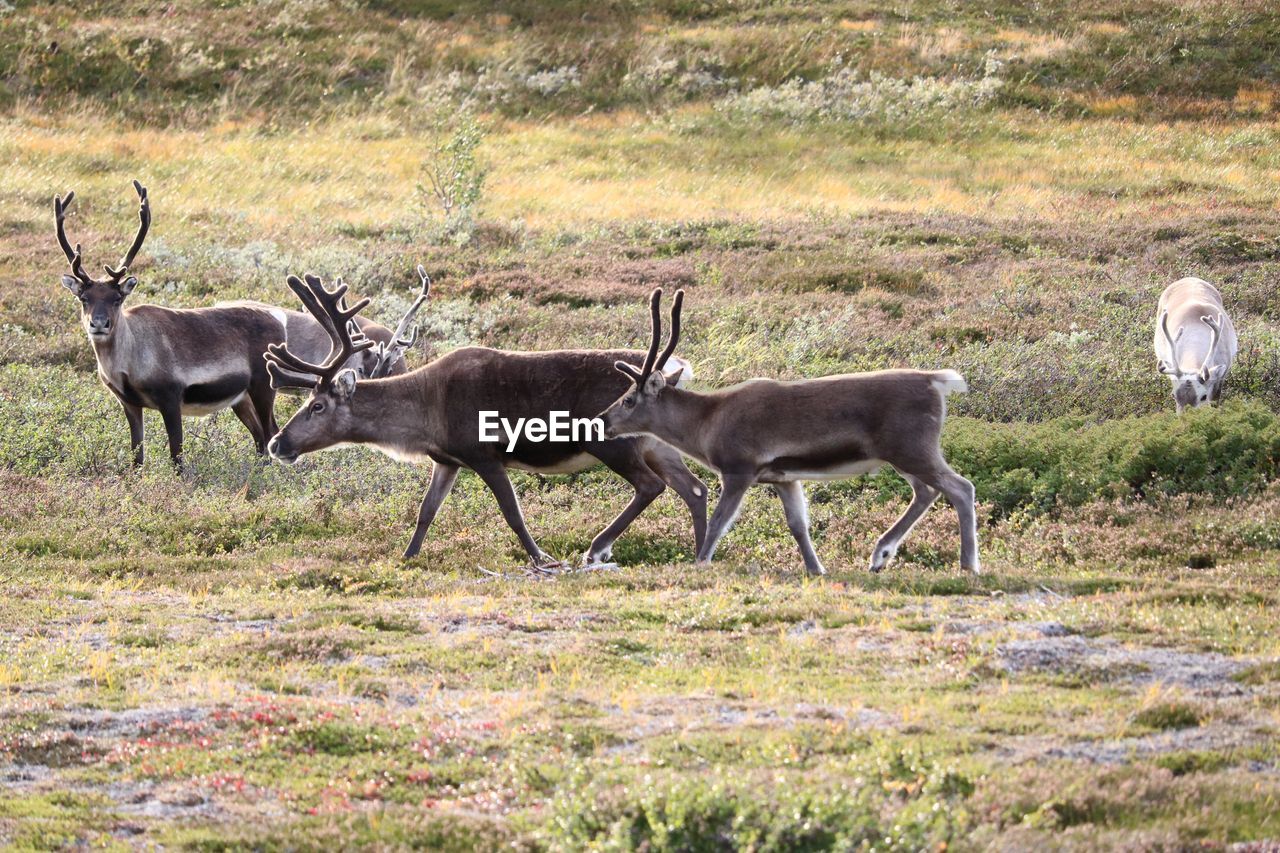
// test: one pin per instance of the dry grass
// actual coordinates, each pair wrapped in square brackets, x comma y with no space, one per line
[623,168]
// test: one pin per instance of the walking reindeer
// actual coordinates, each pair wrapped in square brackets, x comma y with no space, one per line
[434,413]
[1198,356]
[181,361]
[783,433]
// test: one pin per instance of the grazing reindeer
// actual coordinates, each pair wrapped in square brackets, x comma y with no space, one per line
[1198,356]
[306,338]
[386,357]
[433,413]
[309,339]
[192,361]
[782,433]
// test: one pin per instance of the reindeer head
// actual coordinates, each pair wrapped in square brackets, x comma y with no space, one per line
[326,418]
[1192,389]
[101,299]
[633,412]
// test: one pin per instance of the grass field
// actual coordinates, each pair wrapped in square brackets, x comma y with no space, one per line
[237,658]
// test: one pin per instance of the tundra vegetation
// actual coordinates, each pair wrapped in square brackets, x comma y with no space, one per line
[236,655]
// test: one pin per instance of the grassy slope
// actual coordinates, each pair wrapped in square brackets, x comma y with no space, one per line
[189,59]
[181,664]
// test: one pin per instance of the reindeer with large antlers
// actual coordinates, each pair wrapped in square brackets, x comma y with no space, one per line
[434,413]
[309,340]
[782,433]
[1198,357]
[192,361]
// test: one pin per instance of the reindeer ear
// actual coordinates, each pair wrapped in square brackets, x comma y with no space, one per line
[127,286]
[674,375]
[344,384]
[628,370]
[655,383]
[73,284]
[1164,367]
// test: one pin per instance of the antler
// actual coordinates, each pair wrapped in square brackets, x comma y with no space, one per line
[330,311]
[144,225]
[655,316]
[651,360]
[677,305]
[389,352]
[1174,364]
[1216,326]
[60,206]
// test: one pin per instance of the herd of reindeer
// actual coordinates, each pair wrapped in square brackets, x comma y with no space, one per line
[237,355]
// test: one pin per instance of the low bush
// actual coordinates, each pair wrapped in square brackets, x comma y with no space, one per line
[895,801]
[873,100]
[1225,452]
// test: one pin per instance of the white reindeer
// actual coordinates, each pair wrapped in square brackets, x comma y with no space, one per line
[1198,356]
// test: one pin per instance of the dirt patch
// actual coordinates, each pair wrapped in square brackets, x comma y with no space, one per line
[1214,737]
[132,723]
[1105,660]
[162,801]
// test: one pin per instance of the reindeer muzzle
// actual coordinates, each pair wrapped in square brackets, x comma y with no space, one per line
[281,450]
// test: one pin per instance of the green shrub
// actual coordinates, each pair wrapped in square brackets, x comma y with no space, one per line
[453,176]
[340,739]
[1168,715]
[896,801]
[1225,452]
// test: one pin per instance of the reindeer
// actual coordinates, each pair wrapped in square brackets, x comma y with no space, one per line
[193,361]
[783,433]
[307,339]
[433,413]
[1199,355]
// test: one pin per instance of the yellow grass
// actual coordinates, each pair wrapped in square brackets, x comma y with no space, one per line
[569,174]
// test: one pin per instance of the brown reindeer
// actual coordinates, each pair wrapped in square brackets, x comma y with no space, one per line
[189,361]
[783,433]
[434,413]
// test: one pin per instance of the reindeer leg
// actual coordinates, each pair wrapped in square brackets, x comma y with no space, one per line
[249,417]
[442,479]
[887,545]
[796,509]
[133,414]
[733,490]
[264,403]
[495,477]
[624,459]
[171,412]
[937,474]
[670,467]
[959,492]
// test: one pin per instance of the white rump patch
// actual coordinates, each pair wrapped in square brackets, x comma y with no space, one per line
[686,369]
[949,382]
